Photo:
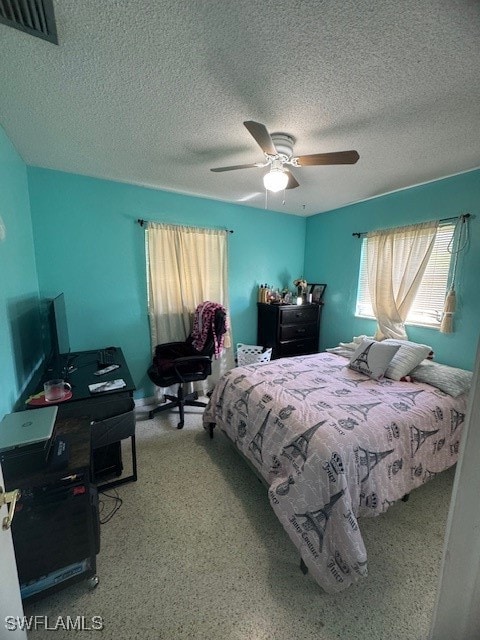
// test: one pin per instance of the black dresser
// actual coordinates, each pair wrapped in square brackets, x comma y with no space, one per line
[290,329]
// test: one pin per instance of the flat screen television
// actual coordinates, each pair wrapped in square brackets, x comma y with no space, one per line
[58,338]
[60,326]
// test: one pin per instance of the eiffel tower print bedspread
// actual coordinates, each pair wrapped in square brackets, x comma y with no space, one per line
[334,445]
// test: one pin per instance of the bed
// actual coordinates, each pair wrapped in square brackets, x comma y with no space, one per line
[334,445]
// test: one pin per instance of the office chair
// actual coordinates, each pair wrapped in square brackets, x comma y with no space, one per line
[180,362]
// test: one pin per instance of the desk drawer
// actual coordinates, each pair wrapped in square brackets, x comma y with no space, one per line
[97,407]
[299,314]
[297,331]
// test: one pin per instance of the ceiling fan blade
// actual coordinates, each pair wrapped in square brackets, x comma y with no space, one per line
[262,137]
[292,181]
[238,166]
[336,157]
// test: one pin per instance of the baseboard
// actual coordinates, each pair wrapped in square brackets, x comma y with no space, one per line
[153,401]
[145,402]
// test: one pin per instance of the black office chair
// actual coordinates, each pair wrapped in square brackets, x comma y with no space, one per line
[179,363]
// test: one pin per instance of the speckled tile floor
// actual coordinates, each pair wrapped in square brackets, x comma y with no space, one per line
[196,552]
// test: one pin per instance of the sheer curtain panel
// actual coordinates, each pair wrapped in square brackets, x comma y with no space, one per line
[396,262]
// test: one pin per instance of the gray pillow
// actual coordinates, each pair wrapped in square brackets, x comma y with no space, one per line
[372,358]
[410,354]
[448,379]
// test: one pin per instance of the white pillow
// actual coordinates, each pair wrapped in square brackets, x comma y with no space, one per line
[409,355]
[448,379]
[372,358]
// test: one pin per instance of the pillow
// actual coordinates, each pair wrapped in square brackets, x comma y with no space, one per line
[347,348]
[448,379]
[409,355]
[372,358]
[341,351]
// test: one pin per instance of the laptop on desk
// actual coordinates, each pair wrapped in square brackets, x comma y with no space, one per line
[24,428]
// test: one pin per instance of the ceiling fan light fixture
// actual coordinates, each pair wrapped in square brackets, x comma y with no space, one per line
[275,180]
[278,152]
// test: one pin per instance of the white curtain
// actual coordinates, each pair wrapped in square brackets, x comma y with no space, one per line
[396,261]
[186,266]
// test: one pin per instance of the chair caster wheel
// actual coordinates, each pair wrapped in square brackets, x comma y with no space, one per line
[180,425]
[93,582]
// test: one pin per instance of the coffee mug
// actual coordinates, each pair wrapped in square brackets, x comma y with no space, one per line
[56,390]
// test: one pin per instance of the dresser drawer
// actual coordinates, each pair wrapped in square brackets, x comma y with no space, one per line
[299,314]
[297,347]
[296,331]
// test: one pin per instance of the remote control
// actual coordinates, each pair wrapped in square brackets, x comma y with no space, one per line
[112,367]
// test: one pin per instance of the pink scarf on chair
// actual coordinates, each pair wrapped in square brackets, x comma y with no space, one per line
[203,323]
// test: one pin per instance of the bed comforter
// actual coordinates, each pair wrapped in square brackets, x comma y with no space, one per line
[334,445]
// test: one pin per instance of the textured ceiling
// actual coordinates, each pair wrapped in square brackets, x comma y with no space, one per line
[156,92]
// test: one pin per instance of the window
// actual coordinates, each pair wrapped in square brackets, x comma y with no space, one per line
[185,266]
[428,305]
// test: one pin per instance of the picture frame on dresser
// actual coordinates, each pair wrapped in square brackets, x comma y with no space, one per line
[316,291]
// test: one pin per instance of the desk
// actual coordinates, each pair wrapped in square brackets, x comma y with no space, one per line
[112,412]
[55,529]
[84,365]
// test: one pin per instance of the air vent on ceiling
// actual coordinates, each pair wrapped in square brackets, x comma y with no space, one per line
[35,17]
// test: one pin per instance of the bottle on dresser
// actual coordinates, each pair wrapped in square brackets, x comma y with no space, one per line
[260,293]
[263,293]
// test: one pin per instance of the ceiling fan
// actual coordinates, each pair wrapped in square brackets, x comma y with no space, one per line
[278,150]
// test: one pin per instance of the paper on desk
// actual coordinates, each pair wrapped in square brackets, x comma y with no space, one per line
[110,385]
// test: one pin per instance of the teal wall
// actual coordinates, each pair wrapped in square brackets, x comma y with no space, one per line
[79,235]
[332,255]
[20,347]
[89,246]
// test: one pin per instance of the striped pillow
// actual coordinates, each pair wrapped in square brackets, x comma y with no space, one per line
[409,355]
[448,379]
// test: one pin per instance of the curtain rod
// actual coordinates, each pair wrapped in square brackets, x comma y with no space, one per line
[142,223]
[360,234]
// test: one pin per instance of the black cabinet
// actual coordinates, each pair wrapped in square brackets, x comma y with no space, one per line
[56,533]
[291,330]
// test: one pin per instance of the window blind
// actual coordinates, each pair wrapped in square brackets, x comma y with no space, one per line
[428,305]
